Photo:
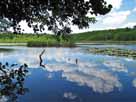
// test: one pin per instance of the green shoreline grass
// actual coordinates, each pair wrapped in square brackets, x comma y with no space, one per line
[118,36]
[32,40]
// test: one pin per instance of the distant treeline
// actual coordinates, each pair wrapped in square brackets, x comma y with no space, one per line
[126,34]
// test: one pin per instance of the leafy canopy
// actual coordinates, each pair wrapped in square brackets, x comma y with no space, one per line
[57,15]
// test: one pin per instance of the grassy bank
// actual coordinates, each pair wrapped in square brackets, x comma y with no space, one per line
[118,36]
[24,38]
[33,40]
[109,36]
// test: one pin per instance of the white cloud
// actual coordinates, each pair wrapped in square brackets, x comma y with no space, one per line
[27,29]
[129,24]
[115,3]
[134,10]
[24,27]
[116,18]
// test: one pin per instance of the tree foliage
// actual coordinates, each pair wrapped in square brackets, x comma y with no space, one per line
[57,15]
[12,81]
[134,27]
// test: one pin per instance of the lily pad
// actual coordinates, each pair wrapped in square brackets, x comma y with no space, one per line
[114,52]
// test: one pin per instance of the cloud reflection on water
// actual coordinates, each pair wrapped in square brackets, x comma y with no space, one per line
[99,80]
[85,73]
[134,83]
[116,66]
[70,95]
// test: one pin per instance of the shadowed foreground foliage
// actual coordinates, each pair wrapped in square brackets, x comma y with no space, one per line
[57,15]
[12,81]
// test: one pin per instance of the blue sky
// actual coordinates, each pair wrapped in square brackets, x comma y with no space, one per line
[122,15]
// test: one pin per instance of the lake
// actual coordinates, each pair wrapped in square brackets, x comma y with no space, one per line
[74,74]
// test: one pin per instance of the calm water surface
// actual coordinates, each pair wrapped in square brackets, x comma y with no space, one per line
[93,78]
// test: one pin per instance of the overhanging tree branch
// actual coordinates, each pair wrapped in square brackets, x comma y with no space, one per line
[55,14]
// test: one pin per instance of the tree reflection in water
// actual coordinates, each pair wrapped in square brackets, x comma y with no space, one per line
[12,81]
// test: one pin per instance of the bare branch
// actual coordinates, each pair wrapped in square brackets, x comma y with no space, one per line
[41,60]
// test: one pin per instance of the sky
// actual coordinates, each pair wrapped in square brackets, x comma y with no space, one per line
[123,14]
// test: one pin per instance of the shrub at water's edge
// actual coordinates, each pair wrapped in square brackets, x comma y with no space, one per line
[6,50]
[50,44]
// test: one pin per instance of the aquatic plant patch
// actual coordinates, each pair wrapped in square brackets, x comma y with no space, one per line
[114,52]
